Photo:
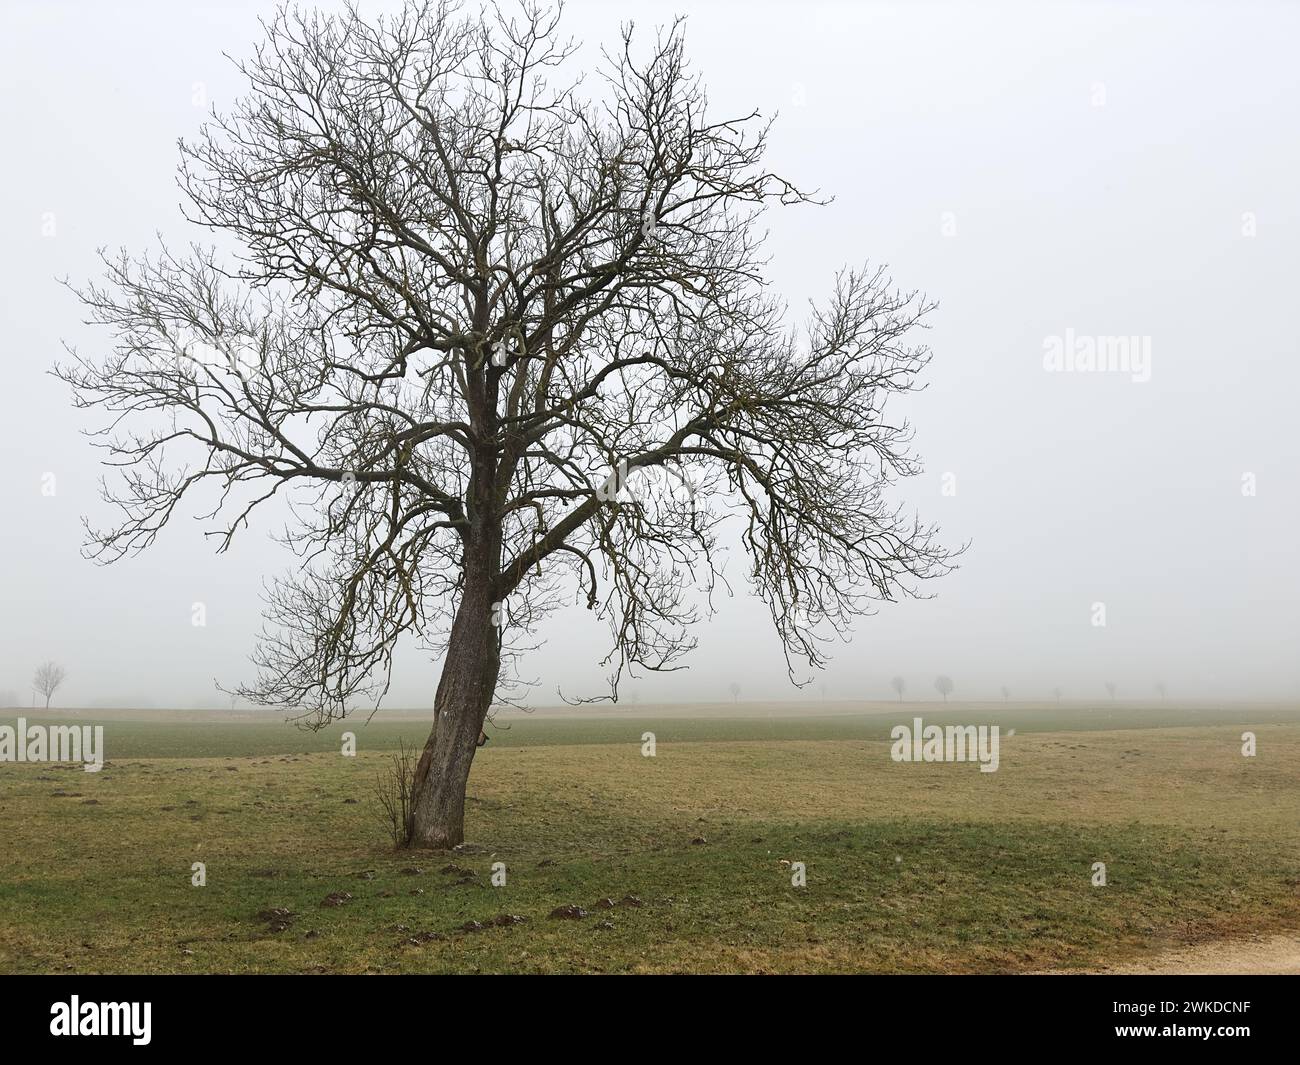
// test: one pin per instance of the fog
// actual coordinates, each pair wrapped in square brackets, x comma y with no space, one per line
[1054,175]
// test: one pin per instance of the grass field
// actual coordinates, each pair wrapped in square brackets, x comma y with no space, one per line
[910,867]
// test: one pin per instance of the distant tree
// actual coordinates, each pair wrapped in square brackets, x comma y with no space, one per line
[1111,689]
[899,685]
[735,692]
[1160,689]
[1058,693]
[943,685]
[49,676]
[1006,693]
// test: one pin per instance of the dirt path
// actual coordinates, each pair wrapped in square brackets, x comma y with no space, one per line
[1264,955]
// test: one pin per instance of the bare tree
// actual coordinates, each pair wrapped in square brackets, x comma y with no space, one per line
[1111,689]
[943,685]
[476,320]
[734,688]
[899,685]
[1161,690]
[49,676]
[1006,693]
[1058,693]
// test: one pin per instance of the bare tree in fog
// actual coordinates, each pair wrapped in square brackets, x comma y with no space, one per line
[899,685]
[734,688]
[475,317]
[1111,689]
[49,676]
[1006,693]
[1160,690]
[1058,693]
[943,685]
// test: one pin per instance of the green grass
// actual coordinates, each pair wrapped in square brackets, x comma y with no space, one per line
[911,868]
[167,734]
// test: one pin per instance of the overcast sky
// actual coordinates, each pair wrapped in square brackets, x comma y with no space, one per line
[1066,171]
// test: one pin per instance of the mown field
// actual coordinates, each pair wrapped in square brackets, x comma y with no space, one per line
[911,867]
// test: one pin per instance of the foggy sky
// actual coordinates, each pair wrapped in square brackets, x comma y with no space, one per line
[1042,170]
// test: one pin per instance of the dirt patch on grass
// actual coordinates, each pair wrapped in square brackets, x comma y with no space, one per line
[1277,955]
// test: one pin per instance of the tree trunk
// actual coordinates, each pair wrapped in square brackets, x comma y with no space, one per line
[469,678]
